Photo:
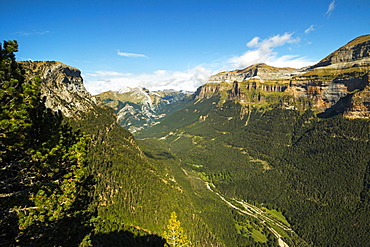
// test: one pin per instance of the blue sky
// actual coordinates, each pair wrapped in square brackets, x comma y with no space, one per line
[178,43]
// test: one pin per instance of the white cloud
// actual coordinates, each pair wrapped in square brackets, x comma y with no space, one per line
[26,59]
[310,29]
[254,42]
[107,73]
[291,61]
[34,32]
[264,53]
[129,54]
[260,51]
[330,8]
[190,80]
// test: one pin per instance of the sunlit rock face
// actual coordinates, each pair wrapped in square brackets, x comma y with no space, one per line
[138,108]
[259,71]
[357,49]
[339,83]
[62,87]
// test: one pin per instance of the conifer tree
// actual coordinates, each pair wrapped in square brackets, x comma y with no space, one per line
[42,164]
[175,235]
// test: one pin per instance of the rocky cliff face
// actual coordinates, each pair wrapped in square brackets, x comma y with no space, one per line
[210,89]
[63,87]
[138,108]
[260,77]
[336,94]
[337,84]
[259,71]
[355,50]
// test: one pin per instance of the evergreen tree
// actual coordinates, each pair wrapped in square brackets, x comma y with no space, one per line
[42,164]
[175,235]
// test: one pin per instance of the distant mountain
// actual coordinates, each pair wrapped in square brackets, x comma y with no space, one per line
[338,84]
[138,108]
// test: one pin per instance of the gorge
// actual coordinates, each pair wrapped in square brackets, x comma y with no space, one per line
[262,156]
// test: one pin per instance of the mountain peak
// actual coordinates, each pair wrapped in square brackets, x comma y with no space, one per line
[63,87]
[128,89]
[259,71]
[359,40]
[355,51]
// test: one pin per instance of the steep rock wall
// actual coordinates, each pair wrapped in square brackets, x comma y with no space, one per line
[358,48]
[339,83]
[62,86]
[257,71]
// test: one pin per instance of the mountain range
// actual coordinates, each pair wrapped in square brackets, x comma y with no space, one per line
[336,84]
[262,156]
[138,108]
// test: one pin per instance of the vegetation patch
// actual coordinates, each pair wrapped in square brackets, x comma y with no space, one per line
[265,164]
[277,215]
[326,74]
[258,236]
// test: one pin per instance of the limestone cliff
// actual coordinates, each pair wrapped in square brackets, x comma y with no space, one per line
[339,83]
[210,89]
[62,86]
[355,50]
[259,71]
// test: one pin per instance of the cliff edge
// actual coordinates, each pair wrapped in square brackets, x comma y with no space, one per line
[62,86]
[338,84]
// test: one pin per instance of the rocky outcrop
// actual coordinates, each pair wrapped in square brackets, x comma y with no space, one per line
[339,83]
[259,71]
[266,87]
[359,105]
[355,50]
[325,94]
[62,86]
[234,90]
[210,89]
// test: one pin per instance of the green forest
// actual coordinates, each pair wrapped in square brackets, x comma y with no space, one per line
[313,170]
[86,182]
[212,173]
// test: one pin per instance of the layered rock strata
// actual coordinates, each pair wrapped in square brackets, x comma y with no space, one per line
[62,86]
[339,83]
[259,71]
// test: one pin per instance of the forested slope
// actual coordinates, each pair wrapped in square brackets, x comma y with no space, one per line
[314,170]
[299,144]
[84,181]
[237,166]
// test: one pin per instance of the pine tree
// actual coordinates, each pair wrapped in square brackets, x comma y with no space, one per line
[175,235]
[42,164]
